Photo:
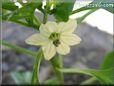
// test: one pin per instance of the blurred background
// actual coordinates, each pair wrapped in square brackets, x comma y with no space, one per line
[96,32]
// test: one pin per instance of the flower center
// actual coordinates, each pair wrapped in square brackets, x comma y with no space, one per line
[55,38]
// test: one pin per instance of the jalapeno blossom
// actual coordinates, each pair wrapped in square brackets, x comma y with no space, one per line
[55,38]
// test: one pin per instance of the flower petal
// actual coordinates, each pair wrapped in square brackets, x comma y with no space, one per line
[63,49]
[70,39]
[36,39]
[51,26]
[49,51]
[68,27]
[44,30]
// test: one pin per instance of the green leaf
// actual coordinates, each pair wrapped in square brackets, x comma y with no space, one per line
[9,5]
[24,15]
[105,76]
[34,26]
[25,12]
[21,77]
[35,75]
[108,61]
[63,9]
[107,64]
[18,48]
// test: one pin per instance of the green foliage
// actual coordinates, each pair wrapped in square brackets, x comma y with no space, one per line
[24,15]
[35,75]
[9,6]
[108,61]
[105,75]
[21,77]
[63,10]
[18,48]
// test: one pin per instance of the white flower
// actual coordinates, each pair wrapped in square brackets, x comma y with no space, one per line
[55,37]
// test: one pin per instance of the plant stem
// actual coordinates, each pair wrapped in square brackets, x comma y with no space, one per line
[18,48]
[56,62]
[37,20]
[80,19]
[82,9]
[35,76]
[88,81]
[45,17]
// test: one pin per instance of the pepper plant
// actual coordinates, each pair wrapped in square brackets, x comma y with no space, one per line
[55,37]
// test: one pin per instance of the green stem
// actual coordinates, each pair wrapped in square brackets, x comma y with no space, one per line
[37,20]
[45,17]
[35,75]
[82,9]
[56,62]
[18,48]
[22,23]
[89,81]
[80,19]
[76,70]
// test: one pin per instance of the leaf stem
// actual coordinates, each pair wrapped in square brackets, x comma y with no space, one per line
[37,20]
[18,48]
[88,81]
[75,70]
[82,9]
[45,18]
[80,19]
[56,62]
[35,75]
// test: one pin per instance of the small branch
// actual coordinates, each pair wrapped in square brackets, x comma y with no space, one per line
[45,18]
[89,81]
[37,20]
[80,19]
[56,62]
[82,9]
[35,75]
[18,48]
